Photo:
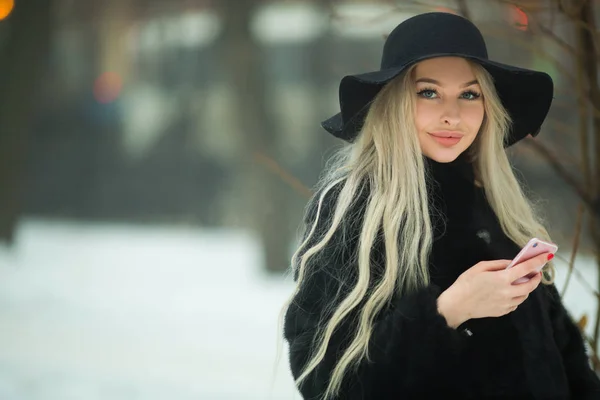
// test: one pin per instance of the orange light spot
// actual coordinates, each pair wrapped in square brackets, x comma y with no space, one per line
[446,10]
[107,87]
[519,18]
[6,7]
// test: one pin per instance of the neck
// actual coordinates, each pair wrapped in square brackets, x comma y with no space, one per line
[458,171]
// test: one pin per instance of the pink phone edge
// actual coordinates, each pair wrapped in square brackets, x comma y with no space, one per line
[526,247]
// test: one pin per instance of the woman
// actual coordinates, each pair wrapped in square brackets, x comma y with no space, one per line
[402,287]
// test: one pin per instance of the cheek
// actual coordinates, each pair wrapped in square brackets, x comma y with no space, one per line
[473,116]
[425,113]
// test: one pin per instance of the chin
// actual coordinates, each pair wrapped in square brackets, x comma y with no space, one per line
[443,156]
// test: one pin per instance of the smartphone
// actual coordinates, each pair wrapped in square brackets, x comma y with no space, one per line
[533,248]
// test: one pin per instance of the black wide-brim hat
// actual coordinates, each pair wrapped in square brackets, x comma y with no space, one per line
[526,94]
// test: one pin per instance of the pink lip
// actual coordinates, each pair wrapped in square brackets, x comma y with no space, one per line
[446,141]
[447,134]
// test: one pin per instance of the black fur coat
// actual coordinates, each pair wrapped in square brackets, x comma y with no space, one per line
[535,352]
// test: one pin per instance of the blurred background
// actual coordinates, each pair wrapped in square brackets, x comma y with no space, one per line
[156,157]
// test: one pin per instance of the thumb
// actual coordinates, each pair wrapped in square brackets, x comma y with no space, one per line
[493,265]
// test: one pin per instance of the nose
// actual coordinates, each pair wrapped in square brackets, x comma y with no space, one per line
[451,113]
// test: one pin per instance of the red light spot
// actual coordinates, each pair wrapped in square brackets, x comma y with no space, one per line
[6,7]
[519,18]
[107,87]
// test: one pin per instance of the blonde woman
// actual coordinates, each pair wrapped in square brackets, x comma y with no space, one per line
[402,287]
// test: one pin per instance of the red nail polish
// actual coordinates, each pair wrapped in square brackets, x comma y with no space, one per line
[550,256]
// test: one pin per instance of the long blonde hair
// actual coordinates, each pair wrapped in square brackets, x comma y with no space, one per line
[387,155]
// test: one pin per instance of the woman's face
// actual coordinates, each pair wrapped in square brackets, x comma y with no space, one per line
[449,107]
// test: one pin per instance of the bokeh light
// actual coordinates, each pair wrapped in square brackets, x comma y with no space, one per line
[519,18]
[107,87]
[445,10]
[6,7]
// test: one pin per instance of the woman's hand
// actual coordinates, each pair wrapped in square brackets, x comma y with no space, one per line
[488,290]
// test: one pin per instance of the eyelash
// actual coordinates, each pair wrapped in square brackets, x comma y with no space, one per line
[475,94]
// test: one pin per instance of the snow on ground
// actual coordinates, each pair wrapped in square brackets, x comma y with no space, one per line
[122,312]
[142,313]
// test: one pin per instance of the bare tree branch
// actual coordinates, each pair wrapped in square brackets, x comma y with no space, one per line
[553,160]
[575,248]
[285,176]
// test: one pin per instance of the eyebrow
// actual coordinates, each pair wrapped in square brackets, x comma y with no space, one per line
[429,80]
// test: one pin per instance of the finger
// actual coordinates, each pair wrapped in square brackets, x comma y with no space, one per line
[524,288]
[523,272]
[525,268]
[535,281]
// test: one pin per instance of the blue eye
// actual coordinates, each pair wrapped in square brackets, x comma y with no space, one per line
[433,94]
[535,245]
[470,95]
[427,93]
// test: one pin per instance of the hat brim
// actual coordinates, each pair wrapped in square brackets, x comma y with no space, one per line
[526,95]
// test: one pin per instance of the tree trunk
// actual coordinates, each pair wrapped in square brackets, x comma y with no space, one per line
[263,197]
[463,9]
[22,65]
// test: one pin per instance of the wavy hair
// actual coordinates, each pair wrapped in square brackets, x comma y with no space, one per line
[387,155]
